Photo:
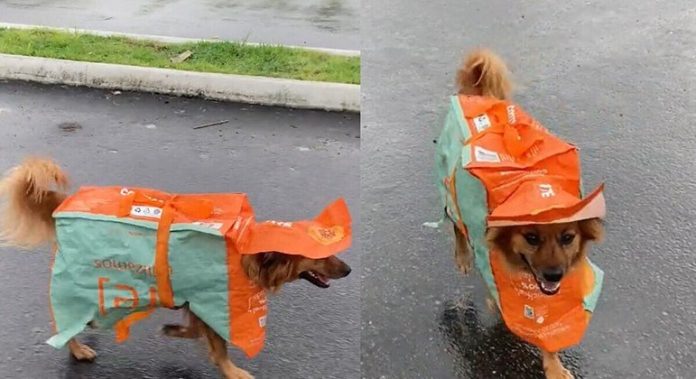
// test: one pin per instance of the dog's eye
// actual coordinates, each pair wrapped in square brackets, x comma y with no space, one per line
[532,239]
[567,239]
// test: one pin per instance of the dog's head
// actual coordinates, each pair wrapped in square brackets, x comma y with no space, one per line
[271,270]
[548,251]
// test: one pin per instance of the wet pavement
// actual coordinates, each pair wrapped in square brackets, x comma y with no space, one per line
[315,23]
[291,163]
[616,78]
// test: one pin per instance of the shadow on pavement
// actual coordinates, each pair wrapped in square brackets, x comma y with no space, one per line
[491,351]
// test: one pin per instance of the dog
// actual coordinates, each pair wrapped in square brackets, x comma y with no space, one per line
[546,251]
[32,191]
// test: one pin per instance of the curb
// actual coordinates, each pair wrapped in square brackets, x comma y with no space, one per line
[165,39]
[236,88]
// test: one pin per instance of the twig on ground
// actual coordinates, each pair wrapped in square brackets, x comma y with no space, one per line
[211,124]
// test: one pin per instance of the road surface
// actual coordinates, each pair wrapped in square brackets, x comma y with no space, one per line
[291,163]
[618,79]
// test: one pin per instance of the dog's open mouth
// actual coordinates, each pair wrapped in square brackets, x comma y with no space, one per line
[315,278]
[548,288]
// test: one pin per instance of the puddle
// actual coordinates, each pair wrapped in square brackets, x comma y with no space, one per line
[485,348]
[153,6]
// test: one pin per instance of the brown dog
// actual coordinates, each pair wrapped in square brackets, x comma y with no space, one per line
[547,251]
[32,191]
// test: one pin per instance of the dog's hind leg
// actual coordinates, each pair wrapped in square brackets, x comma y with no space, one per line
[80,351]
[491,305]
[218,354]
[193,330]
[553,367]
[462,252]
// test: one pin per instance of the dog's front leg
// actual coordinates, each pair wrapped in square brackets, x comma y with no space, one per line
[218,354]
[553,367]
[80,351]
[462,253]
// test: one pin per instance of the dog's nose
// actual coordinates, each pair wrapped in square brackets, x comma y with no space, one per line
[552,274]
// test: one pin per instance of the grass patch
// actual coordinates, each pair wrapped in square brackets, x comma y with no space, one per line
[219,57]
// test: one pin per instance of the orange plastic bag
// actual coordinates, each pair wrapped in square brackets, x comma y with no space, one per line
[497,166]
[124,252]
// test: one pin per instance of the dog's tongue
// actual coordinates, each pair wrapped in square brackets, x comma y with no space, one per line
[324,280]
[315,278]
[550,287]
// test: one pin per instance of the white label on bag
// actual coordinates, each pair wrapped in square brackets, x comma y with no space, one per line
[528,312]
[482,122]
[511,114]
[282,224]
[484,155]
[145,211]
[212,225]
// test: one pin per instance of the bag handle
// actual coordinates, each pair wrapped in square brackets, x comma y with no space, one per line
[518,131]
[173,204]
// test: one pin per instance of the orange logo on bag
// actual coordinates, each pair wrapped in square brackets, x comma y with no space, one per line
[326,236]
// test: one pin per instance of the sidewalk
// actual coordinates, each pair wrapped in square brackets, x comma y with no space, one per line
[103,61]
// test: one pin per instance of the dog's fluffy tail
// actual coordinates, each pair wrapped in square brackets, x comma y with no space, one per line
[29,193]
[483,73]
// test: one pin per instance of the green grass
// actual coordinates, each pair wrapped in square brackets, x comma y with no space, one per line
[219,57]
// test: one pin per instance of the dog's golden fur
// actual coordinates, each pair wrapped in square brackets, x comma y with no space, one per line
[272,270]
[28,195]
[31,192]
[485,74]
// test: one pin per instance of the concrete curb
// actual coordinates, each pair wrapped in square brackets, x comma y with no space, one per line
[236,88]
[165,39]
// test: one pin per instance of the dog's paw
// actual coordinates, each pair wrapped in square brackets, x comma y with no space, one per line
[173,330]
[464,262]
[558,372]
[83,353]
[180,331]
[237,373]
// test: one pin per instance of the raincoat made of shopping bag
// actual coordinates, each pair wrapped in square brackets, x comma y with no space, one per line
[124,252]
[496,166]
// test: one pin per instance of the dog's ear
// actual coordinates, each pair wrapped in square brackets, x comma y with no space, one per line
[498,238]
[251,264]
[592,229]
[269,270]
[277,270]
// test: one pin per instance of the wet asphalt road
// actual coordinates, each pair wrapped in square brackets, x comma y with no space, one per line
[316,23]
[292,163]
[617,78]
